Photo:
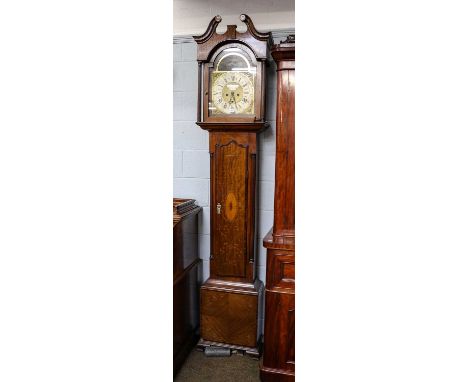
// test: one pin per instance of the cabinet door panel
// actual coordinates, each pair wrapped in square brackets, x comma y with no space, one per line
[279,331]
[281,269]
[231,187]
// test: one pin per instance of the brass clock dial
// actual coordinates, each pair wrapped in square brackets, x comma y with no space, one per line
[232,92]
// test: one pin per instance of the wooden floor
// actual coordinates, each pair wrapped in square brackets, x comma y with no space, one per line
[236,368]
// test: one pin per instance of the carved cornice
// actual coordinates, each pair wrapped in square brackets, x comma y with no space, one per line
[253,31]
[285,50]
[209,41]
[291,39]
[209,31]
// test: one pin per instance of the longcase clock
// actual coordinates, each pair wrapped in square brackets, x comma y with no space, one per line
[278,362]
[231,106]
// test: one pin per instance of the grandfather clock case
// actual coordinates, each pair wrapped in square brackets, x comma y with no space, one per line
[231,107]
[278,364]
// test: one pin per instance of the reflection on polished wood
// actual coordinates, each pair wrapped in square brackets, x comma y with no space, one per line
[186,279]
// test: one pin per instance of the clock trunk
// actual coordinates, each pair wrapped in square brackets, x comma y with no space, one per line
[233,165]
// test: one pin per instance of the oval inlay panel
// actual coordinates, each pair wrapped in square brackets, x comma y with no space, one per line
[231,206]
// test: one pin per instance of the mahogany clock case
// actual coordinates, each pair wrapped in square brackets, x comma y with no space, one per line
[230,298]
[278,362]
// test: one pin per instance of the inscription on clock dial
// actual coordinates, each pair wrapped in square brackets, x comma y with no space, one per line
[232,92]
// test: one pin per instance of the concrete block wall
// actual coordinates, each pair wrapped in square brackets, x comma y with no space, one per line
[191,156]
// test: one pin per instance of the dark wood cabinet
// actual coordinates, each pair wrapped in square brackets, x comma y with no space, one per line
[232,108]
[278,363]
[186,278]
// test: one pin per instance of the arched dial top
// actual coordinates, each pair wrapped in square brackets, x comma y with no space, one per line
[232,83]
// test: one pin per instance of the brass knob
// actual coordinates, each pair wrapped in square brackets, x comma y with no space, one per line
[218,208]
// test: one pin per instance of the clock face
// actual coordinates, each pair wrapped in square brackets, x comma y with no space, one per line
[232,92]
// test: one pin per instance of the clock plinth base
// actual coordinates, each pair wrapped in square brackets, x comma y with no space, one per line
[229,315]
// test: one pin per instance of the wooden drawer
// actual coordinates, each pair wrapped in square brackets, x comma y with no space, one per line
[281,269]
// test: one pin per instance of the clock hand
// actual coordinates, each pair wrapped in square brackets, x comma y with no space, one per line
[234,99]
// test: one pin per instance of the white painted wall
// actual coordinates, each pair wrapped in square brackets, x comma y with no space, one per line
[192,16]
